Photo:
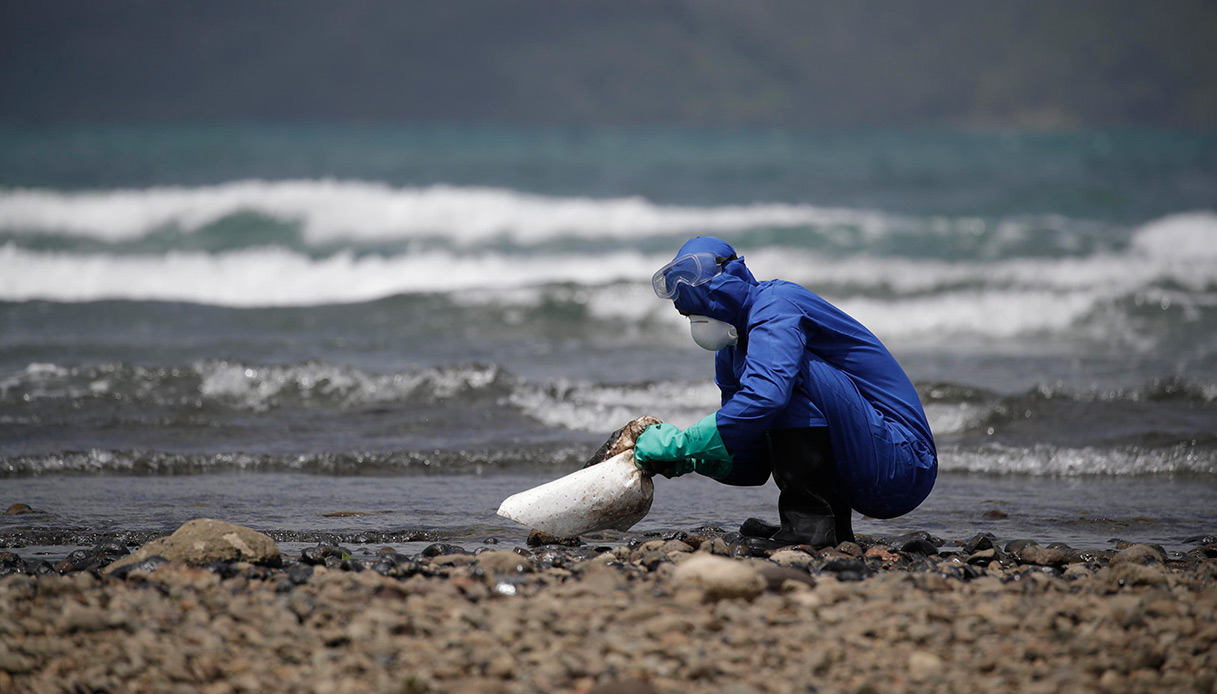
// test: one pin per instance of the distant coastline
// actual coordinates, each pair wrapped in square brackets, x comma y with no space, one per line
[1038,65]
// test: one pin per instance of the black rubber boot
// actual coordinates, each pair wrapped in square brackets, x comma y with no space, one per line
[811,514]
[755,527]
[845,519]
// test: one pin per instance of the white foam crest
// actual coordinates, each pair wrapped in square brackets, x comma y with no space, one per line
[1186,237]
[1000,314]
[953,418]
[614,286]
[278,277]
[895,297]
[261,387]
[1050,461]
[330,210]
[598,408]
[992,313]
[931,298]
[1111,273]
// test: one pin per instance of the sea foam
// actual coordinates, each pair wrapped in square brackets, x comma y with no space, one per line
[334,211]
[896,297]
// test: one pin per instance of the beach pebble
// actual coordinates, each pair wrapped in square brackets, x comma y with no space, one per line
[1040,556]
[882,555]
[719,578]
[453,559]
[18,509]
[781,577]
[440,549]
[791,558]
[1084,556]
[923,666]
[10,563]
[714,546]
[1013,546]
[109,551]
[300,574]
[1139,554]
[846,569]
[13,662]
[80,558]
[900,540]
[1130,575]
[537,538]
[504,562]
[1076,571]
[978,543]
[850,548]
[982,557]
[919,546]
[652,548]
[77,617]
[1204,552]
[202,541]
[624,687]
[322,552]
[144,565]
[670,546]
[485,627]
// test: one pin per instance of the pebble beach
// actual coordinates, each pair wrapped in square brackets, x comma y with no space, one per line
[690,611]
[368,336]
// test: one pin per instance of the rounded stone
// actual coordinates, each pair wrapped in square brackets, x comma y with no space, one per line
[719,578]
[792,558]
[1040,556]
[501,562]
[204,540]
[923,666]
[1138,554]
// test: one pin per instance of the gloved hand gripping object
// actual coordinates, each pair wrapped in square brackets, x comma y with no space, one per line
[663,449]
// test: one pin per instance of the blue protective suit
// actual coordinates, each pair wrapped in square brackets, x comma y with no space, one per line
[802,362]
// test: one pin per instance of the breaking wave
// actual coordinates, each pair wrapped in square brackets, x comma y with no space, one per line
[1050,430]
[1053,461]
[1133,297]
[139,462]
[250,387]
[328,211]
[1036,461]
[563,403]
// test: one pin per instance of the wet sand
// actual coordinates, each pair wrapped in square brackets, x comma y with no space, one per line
[677,614]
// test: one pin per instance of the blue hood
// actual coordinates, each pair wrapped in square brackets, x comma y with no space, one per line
[728,296]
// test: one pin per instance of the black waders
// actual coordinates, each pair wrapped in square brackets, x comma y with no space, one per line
[810,512]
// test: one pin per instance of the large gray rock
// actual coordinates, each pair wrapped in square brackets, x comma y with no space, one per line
[204,540]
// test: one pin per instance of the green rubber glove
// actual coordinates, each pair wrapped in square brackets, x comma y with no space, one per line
[665,450]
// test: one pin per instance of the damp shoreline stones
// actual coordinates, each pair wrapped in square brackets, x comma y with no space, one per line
[683,611]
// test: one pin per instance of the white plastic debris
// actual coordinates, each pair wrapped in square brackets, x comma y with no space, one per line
[609,495]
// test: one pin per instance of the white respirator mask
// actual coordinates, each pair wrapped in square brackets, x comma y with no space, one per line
[712,334]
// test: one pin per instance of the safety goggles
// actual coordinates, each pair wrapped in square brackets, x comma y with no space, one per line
[693,269]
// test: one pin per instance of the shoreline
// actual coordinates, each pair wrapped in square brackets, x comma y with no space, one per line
[668,614]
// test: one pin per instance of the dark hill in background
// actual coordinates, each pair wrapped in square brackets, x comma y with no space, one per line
[1039,63]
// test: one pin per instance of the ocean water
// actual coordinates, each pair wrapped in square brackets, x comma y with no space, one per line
[271,323]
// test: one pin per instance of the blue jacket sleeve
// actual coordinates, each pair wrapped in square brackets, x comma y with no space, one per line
[776,346]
